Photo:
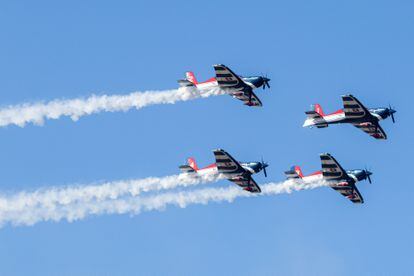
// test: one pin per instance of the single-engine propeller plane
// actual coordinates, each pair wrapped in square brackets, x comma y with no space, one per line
[355,113]
[239,87]
[237,172]
[337,178]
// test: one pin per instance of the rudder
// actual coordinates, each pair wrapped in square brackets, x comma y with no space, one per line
[191,77]
[192,163]
[294,173]
[318,109]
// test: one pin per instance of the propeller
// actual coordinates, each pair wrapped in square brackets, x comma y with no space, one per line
[368,174]
[265,82]
[264,166]
[392,111]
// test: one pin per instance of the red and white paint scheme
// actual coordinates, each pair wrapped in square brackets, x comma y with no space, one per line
[191,167]
[206,85]
[237,172]
[353,113]
[338,179]
[319,119]
[239,87]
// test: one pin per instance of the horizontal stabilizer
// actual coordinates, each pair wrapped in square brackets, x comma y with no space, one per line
[186,169]
[185,83]
[315,117]
[294,173]
[313,114]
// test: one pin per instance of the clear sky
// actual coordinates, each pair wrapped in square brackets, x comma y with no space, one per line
[314,51]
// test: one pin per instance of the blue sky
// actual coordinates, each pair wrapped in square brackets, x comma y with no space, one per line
[314,51]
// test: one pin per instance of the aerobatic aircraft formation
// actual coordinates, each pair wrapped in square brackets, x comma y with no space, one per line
[353,112]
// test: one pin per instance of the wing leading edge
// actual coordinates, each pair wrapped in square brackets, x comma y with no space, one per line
[234,172]
[339,179]
[232,83]
[354,109]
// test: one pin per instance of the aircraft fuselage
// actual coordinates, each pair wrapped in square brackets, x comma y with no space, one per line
[339,117]
[352,177]
[250,167]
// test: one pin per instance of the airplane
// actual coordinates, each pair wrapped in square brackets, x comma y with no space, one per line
[355,113]
[239,87]
[237,172]
[338,179]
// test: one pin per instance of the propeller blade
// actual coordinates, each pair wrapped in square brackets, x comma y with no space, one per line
[265,82]
[392,111]
[368,174]
[264,165]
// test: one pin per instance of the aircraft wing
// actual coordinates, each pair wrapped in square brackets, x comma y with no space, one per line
[231,82]
[372,129]
[226,164]
[331,170]
[354,109]
[349,191]
[340,181]
[247,183]
[234,172]
[226,78]
[252,100]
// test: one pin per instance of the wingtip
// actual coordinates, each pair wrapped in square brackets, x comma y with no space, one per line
[219,65]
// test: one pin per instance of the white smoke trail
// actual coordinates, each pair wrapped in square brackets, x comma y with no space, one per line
[135,205]
[37,113]
[61,196]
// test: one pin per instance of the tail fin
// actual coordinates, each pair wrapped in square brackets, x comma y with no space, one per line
[316,113]
[294,173]
[318,109]
[190,167]
[191,77]
[315,117]
[192,163]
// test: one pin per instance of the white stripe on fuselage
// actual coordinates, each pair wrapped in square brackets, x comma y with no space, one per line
[207,85]
[214,171]
[214,84]
[208,171]
[250,170]
[319,177]
[313,178]
[331,118]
